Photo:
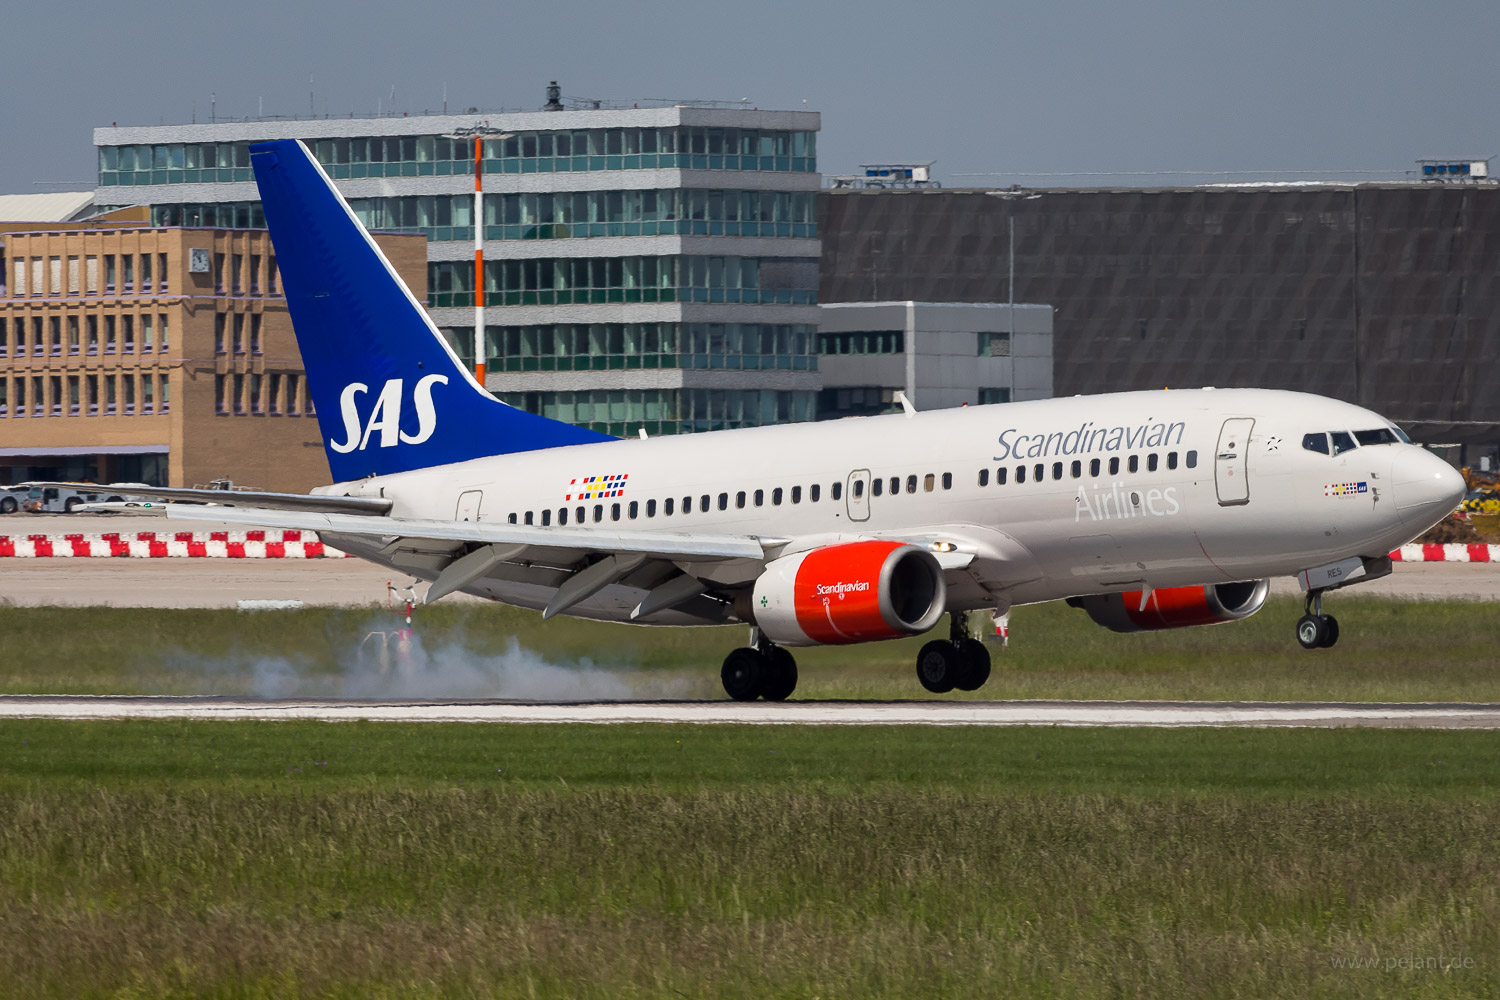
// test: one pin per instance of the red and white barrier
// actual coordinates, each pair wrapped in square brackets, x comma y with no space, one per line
[1452,552]
[164,545]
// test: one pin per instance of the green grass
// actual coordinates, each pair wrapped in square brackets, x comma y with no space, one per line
[1390,651]
[168,859]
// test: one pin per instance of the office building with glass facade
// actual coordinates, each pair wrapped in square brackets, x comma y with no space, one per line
[644,267]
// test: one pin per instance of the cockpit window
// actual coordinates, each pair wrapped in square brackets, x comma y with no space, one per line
[1400,434]
[1383,435]
[1342,442]
[1316,442]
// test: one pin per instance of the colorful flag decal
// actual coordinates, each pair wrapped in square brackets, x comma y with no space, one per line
[1345,489]
[597,487]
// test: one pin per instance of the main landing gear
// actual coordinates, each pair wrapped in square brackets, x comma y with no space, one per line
[955,662]
[760,670]
[1315,630]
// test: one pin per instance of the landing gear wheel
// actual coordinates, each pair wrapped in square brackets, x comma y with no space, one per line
[7,505]
[1331,624]
[1312,631]
[781,675]
[744,674]
[976,665]
[940,666]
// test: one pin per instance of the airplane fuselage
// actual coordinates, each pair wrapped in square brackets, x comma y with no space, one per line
[1053,498]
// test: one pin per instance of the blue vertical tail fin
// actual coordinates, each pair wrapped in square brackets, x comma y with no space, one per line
[391,395]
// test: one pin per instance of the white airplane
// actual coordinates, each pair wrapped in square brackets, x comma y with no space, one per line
[1148,510]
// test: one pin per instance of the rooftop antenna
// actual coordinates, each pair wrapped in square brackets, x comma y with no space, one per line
[260,106]
[213,106]
[311,111]
[445,97]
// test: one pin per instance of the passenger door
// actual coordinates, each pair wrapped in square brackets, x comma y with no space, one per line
[1230,477]
[468,505]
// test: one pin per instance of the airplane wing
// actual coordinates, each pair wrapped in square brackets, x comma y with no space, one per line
[236,498]
[577,561]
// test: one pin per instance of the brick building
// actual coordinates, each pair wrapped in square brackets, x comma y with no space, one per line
[157,355]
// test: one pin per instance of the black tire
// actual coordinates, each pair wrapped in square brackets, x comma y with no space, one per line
[744,674]
[1312,630]
[1332,625]
[116,500]
[781,675]
[976,665]
[8,505]
[71,504]
[939,666]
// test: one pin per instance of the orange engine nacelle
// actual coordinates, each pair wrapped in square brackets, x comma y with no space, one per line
[855,592]
[1175,607]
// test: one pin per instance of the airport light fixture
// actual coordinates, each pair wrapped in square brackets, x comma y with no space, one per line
[479,133]
[1012,195]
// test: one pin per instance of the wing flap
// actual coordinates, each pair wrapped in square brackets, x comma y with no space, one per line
[235,498]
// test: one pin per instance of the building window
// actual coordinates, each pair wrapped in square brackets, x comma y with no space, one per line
[91,386]
[219,333]
[74,397]
[987,396]
[293,395]
[91,274]
[255,386]
[75,276]
[239,333]
[127,333]
[38,338]
[255,333]
[38,399]
[236,265]
[54,326]
[238,392]
[273,396]
[994,345]
[127,272]
[162,325]
[109,273]
[54,271]
[147,333]
[73,343]
[218,272]
[128,388]
[148,394]
[4,397]
[109,394]
[255,274]
[161,272]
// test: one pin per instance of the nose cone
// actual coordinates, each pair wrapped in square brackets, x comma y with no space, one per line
[1427,488]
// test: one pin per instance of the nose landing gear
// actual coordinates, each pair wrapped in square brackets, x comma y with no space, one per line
[1315,630]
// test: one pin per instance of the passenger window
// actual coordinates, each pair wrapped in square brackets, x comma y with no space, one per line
[796,494]
[528,517]
[760,498]
[928,482]
[512,519]
[1192,460]
[1114,466]
[562,515]
[614,512]
[859,488]
[1094,467]
[895,485]
[984,477]
[599,512]
[813,492]
[911,484]
[836,491]
[723,501]
[947,480]
[578,517]
[635,508]
[1056,470]
[1171,459]
[776,497]
[703,505]
[739,500]
[1135,463]
[877,487]
[1038,472]
[1315,442]
[547,518]
[666,507]
[1000,476]
[650,508]
[1342,442]
[1077,469]
[1151,462]
[1020,474]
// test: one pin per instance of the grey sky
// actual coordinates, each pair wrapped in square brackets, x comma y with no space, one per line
[1317,85]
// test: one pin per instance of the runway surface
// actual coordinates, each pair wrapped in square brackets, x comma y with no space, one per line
[833,713]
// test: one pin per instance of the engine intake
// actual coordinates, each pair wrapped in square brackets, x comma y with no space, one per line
[1175,607]
[855,592]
